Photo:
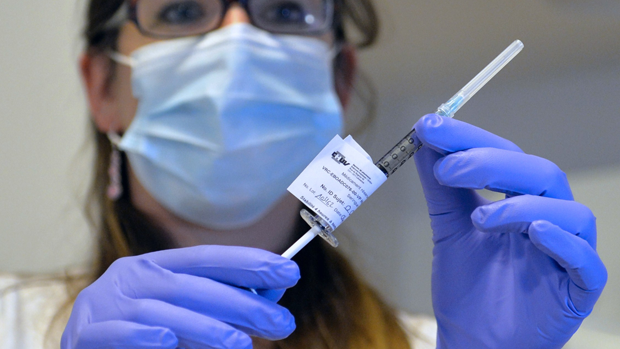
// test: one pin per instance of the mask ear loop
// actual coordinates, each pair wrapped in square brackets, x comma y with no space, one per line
[115,187]
[120,58]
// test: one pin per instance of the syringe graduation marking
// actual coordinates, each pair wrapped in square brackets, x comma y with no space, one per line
[400,153]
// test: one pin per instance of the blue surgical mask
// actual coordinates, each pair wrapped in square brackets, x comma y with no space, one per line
[226,121]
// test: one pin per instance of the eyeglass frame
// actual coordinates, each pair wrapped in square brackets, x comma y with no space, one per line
[128,11]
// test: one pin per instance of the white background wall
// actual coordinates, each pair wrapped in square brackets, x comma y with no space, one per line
[559,99]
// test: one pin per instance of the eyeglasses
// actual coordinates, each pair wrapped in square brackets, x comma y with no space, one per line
[180,18]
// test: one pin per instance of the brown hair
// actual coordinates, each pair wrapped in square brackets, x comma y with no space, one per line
[333,308]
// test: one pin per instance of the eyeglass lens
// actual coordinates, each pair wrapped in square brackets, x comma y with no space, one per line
[176,18]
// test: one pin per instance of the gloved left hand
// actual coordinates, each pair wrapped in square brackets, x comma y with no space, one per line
[522,272]
[192,297]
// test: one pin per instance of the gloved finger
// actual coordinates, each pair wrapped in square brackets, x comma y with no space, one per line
[449,208]
[193,330]
[124,334]
[583,265]
[237,307]
[446,135]
[517,213]
[234,265]
[272,295]
[504,171]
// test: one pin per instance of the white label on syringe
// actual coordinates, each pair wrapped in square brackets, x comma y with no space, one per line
[337,181]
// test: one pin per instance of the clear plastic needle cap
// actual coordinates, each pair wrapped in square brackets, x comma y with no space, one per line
[456,102]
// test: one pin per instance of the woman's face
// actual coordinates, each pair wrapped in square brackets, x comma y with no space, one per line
[113,108]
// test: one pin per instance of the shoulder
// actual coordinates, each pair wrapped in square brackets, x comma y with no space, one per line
[27,307]
[420,329]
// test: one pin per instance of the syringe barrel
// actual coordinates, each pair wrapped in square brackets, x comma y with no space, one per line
[400,153]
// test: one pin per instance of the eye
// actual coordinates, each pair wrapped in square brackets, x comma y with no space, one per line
[285,12]
[182,12]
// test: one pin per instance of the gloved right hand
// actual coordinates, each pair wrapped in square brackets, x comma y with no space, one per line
[188,297]
[518,273]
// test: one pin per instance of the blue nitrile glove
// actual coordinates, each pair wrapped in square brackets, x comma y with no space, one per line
[188,297]
[522,272]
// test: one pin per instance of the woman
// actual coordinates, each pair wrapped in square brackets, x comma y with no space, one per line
[196,103]
[332,307]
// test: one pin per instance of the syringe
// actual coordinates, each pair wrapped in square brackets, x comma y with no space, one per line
[407,146]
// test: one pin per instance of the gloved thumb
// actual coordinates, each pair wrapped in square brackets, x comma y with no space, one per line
[445,135]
